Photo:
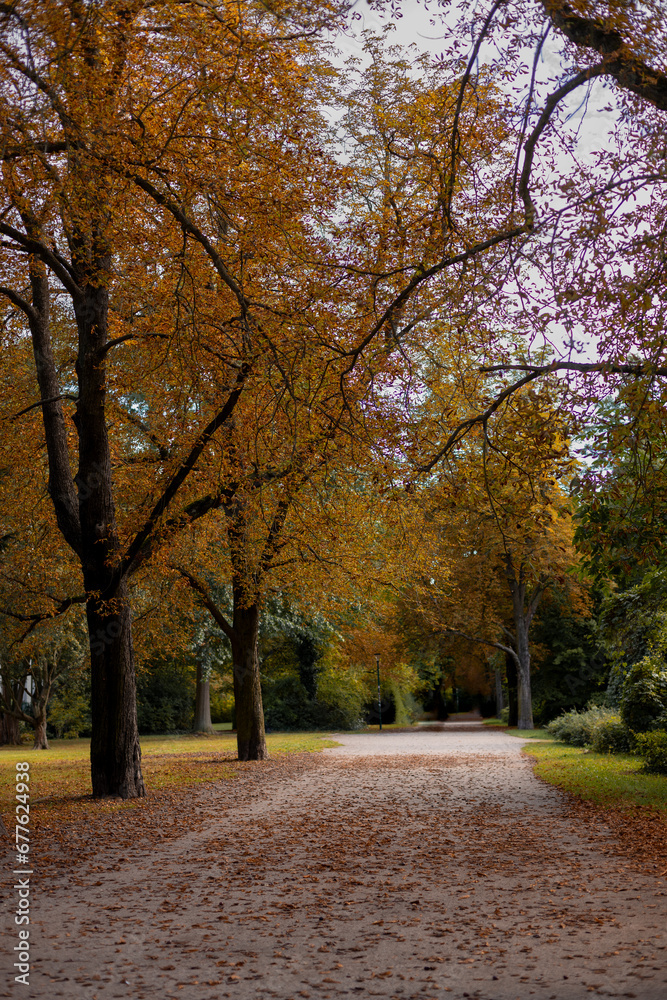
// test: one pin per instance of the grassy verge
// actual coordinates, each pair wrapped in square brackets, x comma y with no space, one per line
[530,734]
[605,780]
[63,772]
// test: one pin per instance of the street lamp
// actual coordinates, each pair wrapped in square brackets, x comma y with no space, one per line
[377,664]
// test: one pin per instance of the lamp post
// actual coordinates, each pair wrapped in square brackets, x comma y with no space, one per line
[377,664]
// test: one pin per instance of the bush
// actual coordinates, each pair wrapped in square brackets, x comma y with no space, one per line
[644,695]
[505,715]
[577,728]
[652,748]
[165,696]
[612,736]
[337,704]
[68,710]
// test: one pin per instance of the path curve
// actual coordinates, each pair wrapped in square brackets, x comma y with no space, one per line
[425,864]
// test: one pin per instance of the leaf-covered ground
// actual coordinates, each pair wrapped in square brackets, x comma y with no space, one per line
[404,865]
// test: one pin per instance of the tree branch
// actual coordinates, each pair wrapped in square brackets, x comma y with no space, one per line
[200,588]
[619,62]
[184,470]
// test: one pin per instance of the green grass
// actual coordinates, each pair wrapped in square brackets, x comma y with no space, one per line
[63,771]
[607,780]
[530,734]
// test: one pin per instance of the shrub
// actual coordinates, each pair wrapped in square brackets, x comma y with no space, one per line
[577,728]
[652,748]
[505,715]
[644,694]
[612,736]
[165,696]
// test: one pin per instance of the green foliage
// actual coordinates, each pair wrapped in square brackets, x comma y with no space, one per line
[165,696]
[406,708]
[652,748]
[578,728]
[302,685]
[338,702]
[611,735]
[505,715]
[574,667]
[68,710]
[633,624]
[69,715]
[644,695]
[222,703]
[622,514]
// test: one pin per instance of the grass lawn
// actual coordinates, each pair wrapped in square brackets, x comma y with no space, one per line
[606,780]
[530,734]
[63,771]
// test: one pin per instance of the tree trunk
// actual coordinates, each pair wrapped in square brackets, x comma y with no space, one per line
[9,730]
[202,704]
[250,736]
[440,702]
[499,692]
[41,742]
[115,754]
[525,697]
[512,689]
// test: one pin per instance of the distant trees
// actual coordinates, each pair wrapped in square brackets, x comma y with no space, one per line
[30,673]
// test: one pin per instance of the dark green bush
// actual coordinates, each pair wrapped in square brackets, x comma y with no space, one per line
[612,736]
[165,696]
[652,748]
[287,705]
[644,694]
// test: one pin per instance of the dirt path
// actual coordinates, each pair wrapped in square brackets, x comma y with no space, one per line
[426,864]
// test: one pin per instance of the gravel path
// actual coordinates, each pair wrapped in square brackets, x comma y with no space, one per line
[423,864]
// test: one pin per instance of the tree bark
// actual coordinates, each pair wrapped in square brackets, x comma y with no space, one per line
[41,742]
[525,720]
[523,608]
[250,736]
[202,704]
[9,730]
[115,754]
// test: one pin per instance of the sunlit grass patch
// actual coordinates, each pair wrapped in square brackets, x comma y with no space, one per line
[606,780]
[530,734]
[168,762]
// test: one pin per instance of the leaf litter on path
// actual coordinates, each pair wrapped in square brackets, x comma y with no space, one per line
[450,872]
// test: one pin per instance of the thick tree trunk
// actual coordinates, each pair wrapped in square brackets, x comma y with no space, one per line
[41,742]
[250,735]
[202,704]
[115,754]
[9,730]
[512,689]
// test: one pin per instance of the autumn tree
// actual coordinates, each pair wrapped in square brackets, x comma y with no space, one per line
[84,113]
